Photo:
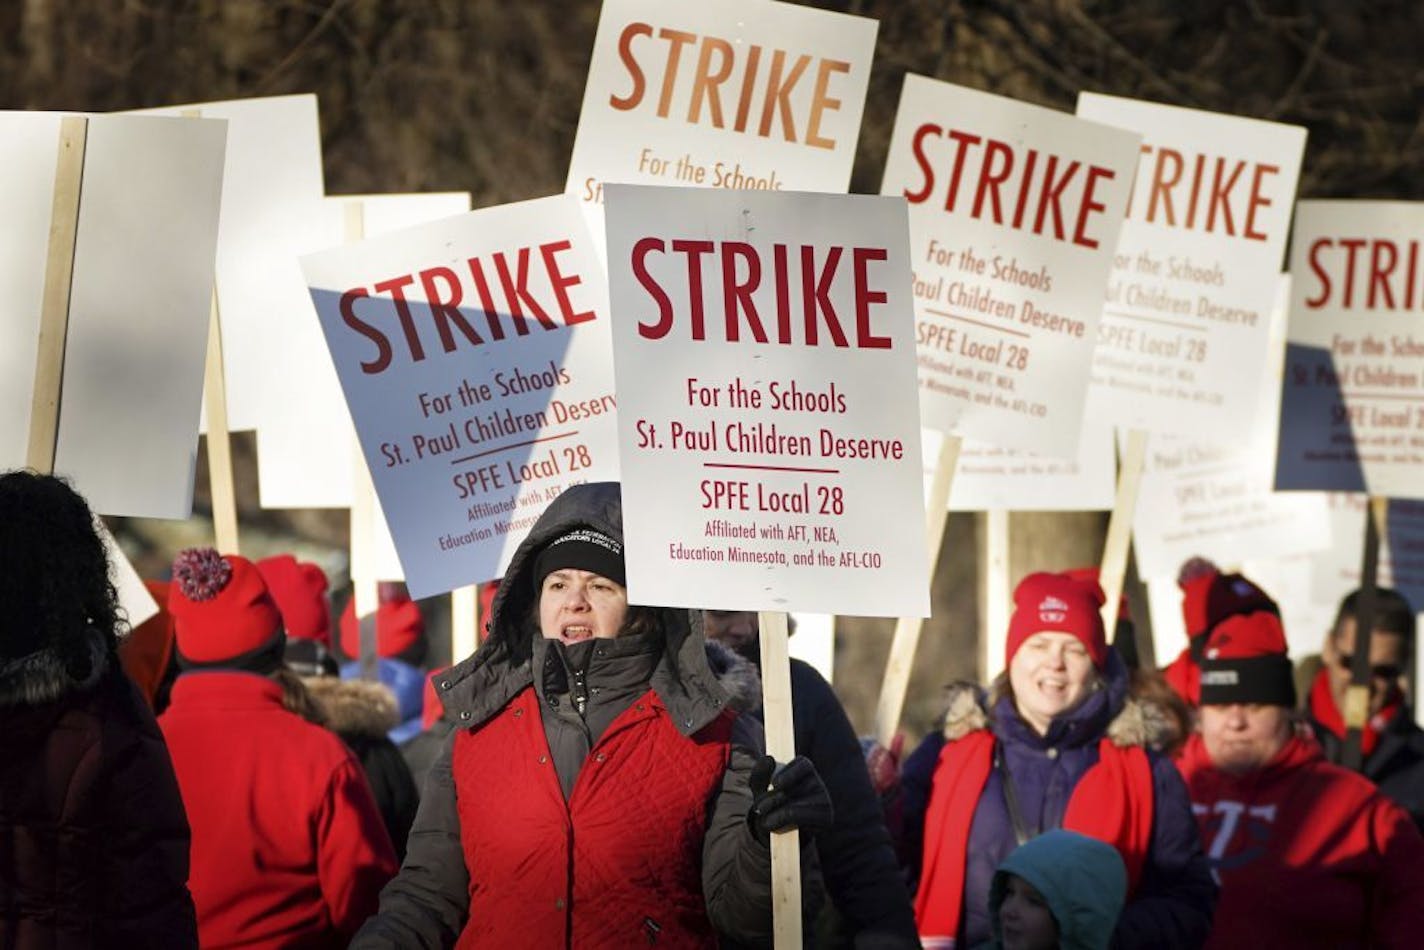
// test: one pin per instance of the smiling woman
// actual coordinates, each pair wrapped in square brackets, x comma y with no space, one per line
[1061,746]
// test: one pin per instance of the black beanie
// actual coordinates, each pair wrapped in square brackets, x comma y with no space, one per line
[583,549]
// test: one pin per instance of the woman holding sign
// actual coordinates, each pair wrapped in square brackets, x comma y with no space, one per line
[1062,746]
[596,789]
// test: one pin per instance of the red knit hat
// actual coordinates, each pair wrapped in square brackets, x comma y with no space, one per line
[1058,603]
[299,588]
[1245,661]
[400,629]
[223,615]
[1209,596]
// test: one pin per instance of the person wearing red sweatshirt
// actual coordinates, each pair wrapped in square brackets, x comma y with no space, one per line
[1307,854]
[288,847]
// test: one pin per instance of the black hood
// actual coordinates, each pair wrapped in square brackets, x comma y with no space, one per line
[481,685]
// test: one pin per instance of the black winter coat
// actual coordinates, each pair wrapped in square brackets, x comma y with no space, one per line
[93,837]
[870,905]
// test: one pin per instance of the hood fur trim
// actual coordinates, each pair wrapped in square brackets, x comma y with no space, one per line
[1140,723]
[737,675]
[355,707]
[40,677]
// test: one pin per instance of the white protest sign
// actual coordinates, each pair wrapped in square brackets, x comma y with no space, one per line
[305,455]
[1214,499]
[271,215]
[992,478]
[474,355]
[1353,413]
[138,303]
[137,603]
[1183,335]
[1014,214]
[769,437]
[1401,553]
[740,94]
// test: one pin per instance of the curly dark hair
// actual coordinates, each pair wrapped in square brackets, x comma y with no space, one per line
[54,573]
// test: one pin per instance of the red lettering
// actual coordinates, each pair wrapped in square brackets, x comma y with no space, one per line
[694,251]
[625,54]
[1380,273]
[917,148]
[1162,184]
[1221,194]
[562,283]
[864,297]
[990,180]
[778,90]
[1313,258]
[737,295]
[1257,200]
[1089,205]
[516,292]
[445,308]
[815,293]
[1052,195]
[641,250]
[348,316]
[396,288]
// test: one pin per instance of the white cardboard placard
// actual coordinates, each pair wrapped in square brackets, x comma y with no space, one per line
[1014,216]
[1353,412]
[1184,328]
[138,310]
[135,600]
[1401,555]
[1215,500]
[737,94]
[271,215]
[739,488]
[469,441]
[992,478]
[305,457]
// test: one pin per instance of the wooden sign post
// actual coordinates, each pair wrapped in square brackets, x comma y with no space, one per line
[54,305]
[1357,696]
[781,746]
[464,622]
[221,487]
[1119,540]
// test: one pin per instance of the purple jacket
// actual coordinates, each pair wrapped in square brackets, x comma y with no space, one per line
[1173,904]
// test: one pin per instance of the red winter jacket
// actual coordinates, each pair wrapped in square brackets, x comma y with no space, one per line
[613,883]
[1307,853]
[288,847]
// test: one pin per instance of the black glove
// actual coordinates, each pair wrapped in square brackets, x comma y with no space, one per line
[788,796]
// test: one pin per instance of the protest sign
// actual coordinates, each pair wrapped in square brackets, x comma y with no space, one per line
[271,215]
[1183,335]
[473,354]
[1014,214]
[126,366]
[770,444]
[305,456]
[1214,499]
[1352,417]
[741,94]
[992,478]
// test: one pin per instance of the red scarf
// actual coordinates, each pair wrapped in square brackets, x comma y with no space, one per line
[1325,712]
[1111,802]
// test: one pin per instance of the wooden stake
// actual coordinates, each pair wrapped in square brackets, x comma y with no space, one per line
[54,304]
[907,629]
[364,589]
[781,746]
[1357,696]
[1119,539]
[221,486]
[994,612]
[464,622]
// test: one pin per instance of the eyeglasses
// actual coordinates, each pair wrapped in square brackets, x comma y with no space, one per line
[1384,671]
